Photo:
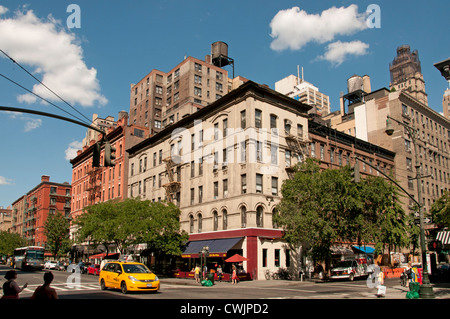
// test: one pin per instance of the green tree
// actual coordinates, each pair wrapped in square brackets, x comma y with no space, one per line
[322,207]
[130,222]
[10,241]
[56,229]
[440,211]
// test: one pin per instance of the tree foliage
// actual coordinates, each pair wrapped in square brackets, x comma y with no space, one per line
[56,229]
[440,211]
[323,207]
[10,241]
[132,222]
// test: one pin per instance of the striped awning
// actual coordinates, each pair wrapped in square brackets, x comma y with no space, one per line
[444,237]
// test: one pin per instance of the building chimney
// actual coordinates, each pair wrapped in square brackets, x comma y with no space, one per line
[45,178]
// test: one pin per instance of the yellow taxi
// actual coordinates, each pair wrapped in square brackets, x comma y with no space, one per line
[128,276]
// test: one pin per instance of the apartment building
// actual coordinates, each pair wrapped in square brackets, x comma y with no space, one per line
[305,92]
[18,211]
[223,166]
[91,185]
[30,211]
[5,218]
[160,98]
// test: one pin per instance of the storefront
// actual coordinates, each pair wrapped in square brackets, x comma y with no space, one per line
[222,245]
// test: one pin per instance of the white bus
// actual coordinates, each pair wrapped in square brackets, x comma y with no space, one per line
[30,257]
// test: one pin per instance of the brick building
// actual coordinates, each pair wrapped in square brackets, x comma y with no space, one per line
[30,211]
[91,185]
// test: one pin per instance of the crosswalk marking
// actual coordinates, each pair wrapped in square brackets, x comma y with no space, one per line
[65,287]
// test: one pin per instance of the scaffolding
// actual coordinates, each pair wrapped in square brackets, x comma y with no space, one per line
[172,187]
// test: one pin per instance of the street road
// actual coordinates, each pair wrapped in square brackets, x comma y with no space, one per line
[83,286]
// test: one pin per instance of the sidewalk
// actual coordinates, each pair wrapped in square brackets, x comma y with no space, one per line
[394,289]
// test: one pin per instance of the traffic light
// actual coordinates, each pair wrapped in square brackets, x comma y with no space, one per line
[96,155]
[435,245]
[110,154]
[356,177]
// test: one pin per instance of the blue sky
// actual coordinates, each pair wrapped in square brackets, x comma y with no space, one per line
[119,42]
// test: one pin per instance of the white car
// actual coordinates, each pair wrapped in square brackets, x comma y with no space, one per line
[50,264]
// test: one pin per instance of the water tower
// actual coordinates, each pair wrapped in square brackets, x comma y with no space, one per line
[219,54]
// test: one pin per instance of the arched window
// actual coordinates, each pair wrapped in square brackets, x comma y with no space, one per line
[191,223]
[200,223]
[243,217]
[215,220]
[225,219]
[274,212]
[259,216]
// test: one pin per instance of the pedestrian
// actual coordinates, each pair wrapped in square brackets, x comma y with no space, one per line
[219,272]
[45,291]
[234,277]
[197,273]
[11,289]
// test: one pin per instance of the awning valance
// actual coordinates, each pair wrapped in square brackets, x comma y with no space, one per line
[365,249]
[99,256]
[217,247]
[444,237]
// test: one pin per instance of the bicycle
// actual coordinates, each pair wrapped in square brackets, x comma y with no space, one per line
[403,279]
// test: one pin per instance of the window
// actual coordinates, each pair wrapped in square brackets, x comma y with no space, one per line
[198,67]
[215,220]
[225,188]
[243,217]
[274,185]
[243,120]
[216,190]
[243,152]
[243,183]
[197,79]
[200,166]
[192,169]
[264,257]
[200,223]
[191,224]
[197,91]
[287,158]
[200,194]
[274,154]
[259,182]
[273,121]
[225,219]
[258,115]
[225,127]
[277,258]
[259,216]
[159,89]
[259,153]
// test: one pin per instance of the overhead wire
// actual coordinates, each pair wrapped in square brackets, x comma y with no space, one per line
[37,95]
[29,73]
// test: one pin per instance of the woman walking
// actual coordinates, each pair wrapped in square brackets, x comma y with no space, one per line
[234,276]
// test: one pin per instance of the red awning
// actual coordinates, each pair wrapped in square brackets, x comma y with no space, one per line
[99,256]
[235,259]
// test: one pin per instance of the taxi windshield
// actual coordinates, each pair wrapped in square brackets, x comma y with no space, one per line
[133,269]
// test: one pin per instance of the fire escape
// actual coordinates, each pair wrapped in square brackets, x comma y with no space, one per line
[297,145]
[173,186]
[94,184]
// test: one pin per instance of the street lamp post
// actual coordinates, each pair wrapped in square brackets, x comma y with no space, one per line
[426,290]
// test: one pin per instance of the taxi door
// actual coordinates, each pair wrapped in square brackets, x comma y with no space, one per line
[115,276]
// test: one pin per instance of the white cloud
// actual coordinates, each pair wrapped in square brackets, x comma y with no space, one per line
[55,55]
[30,123]
[71,151]
[294,28]
[4,180]
[337,52]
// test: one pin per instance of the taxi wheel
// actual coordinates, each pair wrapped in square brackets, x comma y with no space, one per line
[123,287]
[102,284]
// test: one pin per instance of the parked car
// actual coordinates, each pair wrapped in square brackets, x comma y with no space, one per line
[50,264]
[94,269]
[60,266]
